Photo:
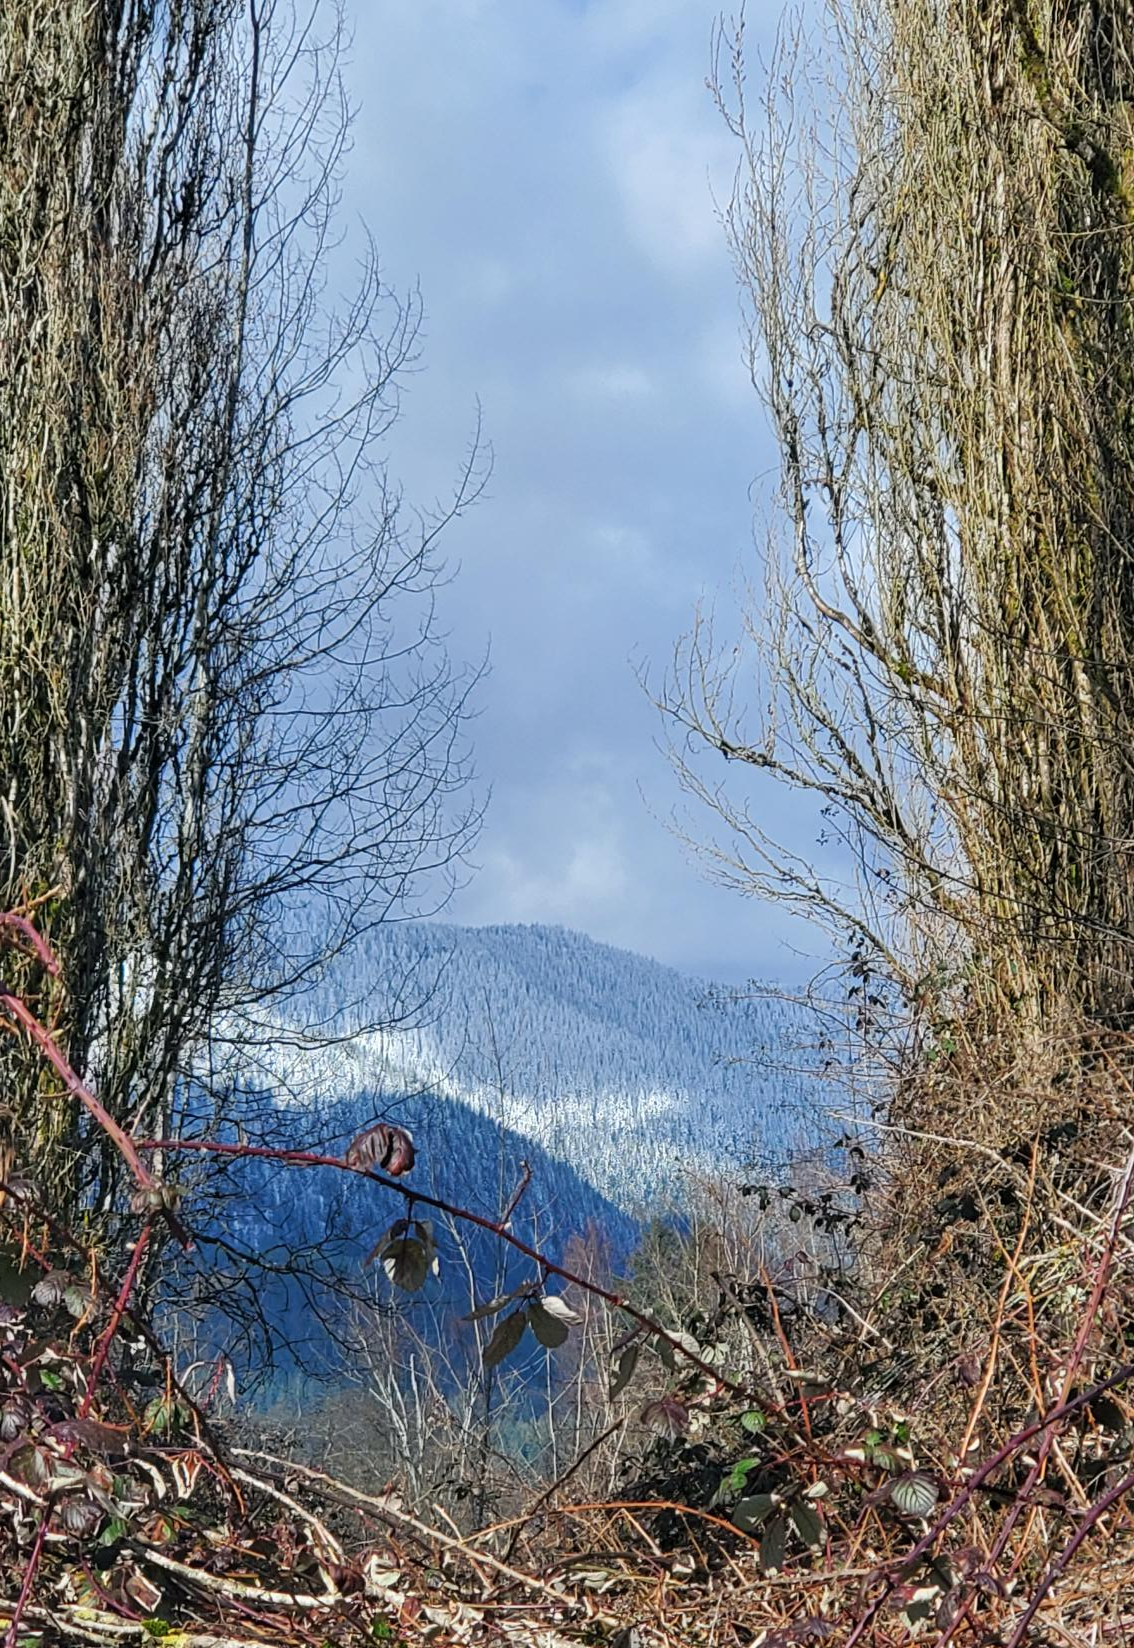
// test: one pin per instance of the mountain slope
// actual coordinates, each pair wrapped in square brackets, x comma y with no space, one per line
[611,1076]
[629,1071]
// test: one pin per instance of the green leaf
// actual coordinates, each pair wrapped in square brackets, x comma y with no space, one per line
[555,1305]
[914,1494]
[772,1546]
[738,1476]
[406,1262]
[157,1627]
[161,1415]
[624,1369]
[751,1513]
[753,1421]
[50,1381]
[113,1532]
[808,1522]
[548,1329]
[76,1299]
[494,1306]
[504,1340]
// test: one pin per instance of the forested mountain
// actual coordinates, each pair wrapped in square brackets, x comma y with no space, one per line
[612,1076]
[283,1250]
[627,1070]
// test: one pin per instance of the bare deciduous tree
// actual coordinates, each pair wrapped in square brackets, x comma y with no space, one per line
[229,737]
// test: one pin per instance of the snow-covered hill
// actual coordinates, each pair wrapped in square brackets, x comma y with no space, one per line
[613,1077]
[627,1071]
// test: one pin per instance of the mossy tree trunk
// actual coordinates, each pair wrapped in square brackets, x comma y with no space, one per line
[940,267]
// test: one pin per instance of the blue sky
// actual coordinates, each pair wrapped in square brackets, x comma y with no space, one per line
[546,170]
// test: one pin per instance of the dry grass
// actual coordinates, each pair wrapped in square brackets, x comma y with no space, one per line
[944,1449]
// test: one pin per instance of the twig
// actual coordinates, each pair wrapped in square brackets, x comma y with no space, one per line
[659,1505]
[21,925]
[1086,1326]
[761,1348]
[35,1556]
[520,1522]
[517,1194]
[1059,1564]
[1011,1273]
[310,1158]
[237,1589]
[333,1549]
[141,1326]
[118,1311]
[431,1535]
[1014,1443]
[53,1053]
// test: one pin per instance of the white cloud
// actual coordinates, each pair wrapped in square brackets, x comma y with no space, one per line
[494,281]
[560,848]
[632,558]
[592,876]
[722,368]
[544,170]
[667,151]
[618,382]
[637,25]
[624,543]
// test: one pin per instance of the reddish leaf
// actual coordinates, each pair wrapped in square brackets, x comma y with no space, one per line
[15,1417]
[667,1415]
[78,1517]
[50,1289]
[31,1465]
[92,1434]
[383,1147]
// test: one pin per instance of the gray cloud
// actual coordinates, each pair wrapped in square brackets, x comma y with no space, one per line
[546,170]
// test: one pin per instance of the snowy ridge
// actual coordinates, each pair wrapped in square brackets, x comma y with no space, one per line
[612,1078]
[625,1070]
